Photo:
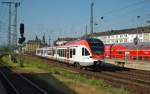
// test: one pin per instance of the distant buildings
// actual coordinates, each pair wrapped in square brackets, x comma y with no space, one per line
[118,36]
[109,37]
[124,36]
[31,45]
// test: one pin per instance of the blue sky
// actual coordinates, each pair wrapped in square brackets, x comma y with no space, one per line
[67,18]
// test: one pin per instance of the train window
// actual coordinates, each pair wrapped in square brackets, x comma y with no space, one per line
[119,52]
[58,52]
[82,51]
[41,51]
[74,51]
[45,51]
[63,53]
[38,51]
[49,52]
[70,53]
[86,52]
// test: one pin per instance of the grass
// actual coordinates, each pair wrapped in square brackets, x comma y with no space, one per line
[77,82]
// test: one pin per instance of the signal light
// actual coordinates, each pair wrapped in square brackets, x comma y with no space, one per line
[22,29]
[21,40]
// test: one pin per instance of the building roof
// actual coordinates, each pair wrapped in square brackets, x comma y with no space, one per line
[36,42]
[33,41]
[124,31]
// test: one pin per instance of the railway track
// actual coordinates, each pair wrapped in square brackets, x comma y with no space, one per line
[15,83]
[136,81]
[133,84]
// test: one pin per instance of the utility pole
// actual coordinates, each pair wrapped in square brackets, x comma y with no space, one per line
[91,16]
[17,4]
[86,30]
[49,40]
[9,26]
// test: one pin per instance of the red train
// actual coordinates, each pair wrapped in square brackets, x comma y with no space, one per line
[128,51]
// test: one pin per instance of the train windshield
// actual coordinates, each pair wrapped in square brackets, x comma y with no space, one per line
[96,45]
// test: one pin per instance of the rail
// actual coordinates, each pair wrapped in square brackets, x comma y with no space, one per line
[24,81]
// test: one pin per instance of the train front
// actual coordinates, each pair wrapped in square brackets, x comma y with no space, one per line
[97,50]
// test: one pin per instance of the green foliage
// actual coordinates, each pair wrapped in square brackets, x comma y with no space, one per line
[8,61]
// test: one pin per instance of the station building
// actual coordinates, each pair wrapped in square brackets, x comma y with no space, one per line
[32,45]
[124,36]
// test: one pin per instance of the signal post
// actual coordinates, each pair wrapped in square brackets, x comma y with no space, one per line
[21,42]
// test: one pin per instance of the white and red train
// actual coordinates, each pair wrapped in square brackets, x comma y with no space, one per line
[83,52]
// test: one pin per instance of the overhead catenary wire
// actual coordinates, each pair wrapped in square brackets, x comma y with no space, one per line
[124,18]
[125,7]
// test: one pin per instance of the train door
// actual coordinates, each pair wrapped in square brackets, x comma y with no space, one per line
[67,55]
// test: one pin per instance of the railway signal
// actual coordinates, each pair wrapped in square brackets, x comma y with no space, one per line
[22,39]
[21,29]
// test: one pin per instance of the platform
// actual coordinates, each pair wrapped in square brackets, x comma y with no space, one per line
[142,65]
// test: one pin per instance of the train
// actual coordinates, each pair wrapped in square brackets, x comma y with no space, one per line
[128,51]
[84,52]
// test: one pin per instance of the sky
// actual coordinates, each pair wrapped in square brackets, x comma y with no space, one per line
[68,18]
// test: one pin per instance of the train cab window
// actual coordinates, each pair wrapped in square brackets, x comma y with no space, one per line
[96,45]
[85,52]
